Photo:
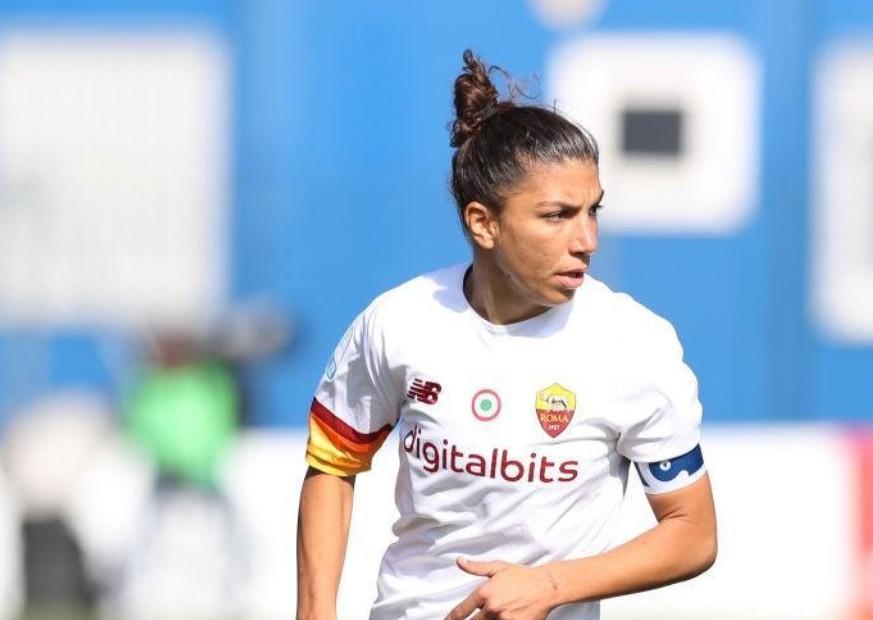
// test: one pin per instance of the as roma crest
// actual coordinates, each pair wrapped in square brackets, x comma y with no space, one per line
[555,408]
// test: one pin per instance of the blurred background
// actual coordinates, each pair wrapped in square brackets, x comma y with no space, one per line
[197,196]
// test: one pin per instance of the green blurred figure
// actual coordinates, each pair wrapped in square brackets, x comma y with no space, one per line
[184,415]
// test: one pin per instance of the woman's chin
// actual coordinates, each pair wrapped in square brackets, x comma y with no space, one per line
[558,296]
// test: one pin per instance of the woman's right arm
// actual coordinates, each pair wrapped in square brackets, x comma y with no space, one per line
[322,534]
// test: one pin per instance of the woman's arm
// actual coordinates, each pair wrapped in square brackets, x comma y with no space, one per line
[322,534]
[682,545]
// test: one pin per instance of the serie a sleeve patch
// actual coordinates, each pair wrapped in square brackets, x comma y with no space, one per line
[672,474]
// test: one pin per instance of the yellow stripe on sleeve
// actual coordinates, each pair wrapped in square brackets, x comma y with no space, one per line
[324,455]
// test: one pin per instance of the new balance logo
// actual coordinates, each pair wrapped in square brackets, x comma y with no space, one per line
[426,392]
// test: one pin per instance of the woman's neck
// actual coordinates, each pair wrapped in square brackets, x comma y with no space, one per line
[490,293]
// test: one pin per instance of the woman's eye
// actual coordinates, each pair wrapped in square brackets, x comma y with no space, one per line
[594,210]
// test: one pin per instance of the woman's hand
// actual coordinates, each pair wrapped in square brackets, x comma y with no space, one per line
[512,592]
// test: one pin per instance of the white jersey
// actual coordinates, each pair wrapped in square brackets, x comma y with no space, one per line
[515,440]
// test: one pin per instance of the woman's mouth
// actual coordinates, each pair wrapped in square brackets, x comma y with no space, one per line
[571,279]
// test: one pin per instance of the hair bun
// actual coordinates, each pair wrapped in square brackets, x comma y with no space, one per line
[476,98]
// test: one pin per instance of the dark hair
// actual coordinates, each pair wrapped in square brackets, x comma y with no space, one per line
[496,142]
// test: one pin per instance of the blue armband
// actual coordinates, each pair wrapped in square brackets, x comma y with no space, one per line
[672,474]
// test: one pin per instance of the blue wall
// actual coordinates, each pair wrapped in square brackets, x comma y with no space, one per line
[341,160]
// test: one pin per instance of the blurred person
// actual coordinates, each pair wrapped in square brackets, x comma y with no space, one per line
[48,451]
[185,407]
[184,410]
[522,389]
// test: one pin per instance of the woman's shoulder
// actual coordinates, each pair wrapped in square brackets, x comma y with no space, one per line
[419,296]
[629,319]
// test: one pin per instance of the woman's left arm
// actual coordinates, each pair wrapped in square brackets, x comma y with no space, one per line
[682,545]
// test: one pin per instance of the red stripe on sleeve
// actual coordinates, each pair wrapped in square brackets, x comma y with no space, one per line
[341,428]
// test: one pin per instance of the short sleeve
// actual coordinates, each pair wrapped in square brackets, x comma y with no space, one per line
[354,407]
[661,425]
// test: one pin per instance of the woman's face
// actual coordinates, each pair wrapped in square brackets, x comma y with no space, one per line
[543,239]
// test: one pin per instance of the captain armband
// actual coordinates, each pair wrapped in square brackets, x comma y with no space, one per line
[672,474]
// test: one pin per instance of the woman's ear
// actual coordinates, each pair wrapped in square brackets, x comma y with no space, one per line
[481,224]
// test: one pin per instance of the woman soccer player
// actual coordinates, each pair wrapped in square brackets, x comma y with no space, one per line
[522,389]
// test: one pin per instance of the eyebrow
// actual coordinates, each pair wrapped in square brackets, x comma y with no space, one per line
[568,205]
